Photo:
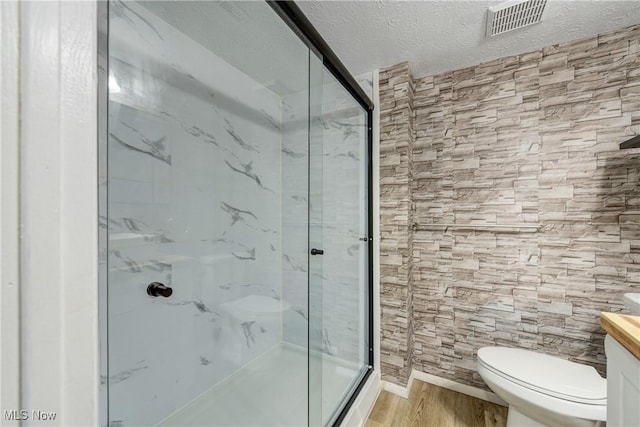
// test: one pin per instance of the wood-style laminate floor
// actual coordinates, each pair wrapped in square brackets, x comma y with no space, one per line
[430,405]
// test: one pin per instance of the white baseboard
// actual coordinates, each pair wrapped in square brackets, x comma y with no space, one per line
[361,408]
[460,388]
[398,389]
[444,383]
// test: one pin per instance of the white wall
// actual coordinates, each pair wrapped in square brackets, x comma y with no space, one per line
[375,164]
[58,210]
[9,212]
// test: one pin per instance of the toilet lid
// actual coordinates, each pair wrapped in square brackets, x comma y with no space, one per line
[547,374]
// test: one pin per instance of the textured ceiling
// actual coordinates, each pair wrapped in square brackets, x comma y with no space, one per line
[436,36]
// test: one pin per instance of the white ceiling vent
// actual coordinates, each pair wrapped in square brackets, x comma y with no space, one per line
[234,10]
[513,14]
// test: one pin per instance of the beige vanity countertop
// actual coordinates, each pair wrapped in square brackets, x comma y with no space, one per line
[623,328]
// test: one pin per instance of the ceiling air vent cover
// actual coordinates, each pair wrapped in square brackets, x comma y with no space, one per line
[513,14]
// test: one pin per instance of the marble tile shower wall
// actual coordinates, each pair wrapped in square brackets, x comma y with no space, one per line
[295,217]
[194,202]
[529,139]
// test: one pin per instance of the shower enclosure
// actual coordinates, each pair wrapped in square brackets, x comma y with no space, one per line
[236,218]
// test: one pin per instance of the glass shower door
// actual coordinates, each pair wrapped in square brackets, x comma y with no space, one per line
[338,280]
[207,216]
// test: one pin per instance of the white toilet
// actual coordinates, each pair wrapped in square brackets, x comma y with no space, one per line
[544,390]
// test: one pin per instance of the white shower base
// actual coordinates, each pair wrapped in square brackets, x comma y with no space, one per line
[271,391]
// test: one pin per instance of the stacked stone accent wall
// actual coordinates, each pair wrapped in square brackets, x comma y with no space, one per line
[530,139]
[396,150]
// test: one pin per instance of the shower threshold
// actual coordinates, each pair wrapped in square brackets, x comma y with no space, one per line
[271,391]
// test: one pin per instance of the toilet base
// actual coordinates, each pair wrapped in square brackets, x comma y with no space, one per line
[516,418]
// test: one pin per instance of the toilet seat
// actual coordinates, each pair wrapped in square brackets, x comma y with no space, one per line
[536,397]
[546,374]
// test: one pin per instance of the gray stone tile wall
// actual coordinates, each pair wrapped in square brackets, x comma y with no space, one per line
[529,139]
[396,149]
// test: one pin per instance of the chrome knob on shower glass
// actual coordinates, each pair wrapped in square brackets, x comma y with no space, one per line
[157,289]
